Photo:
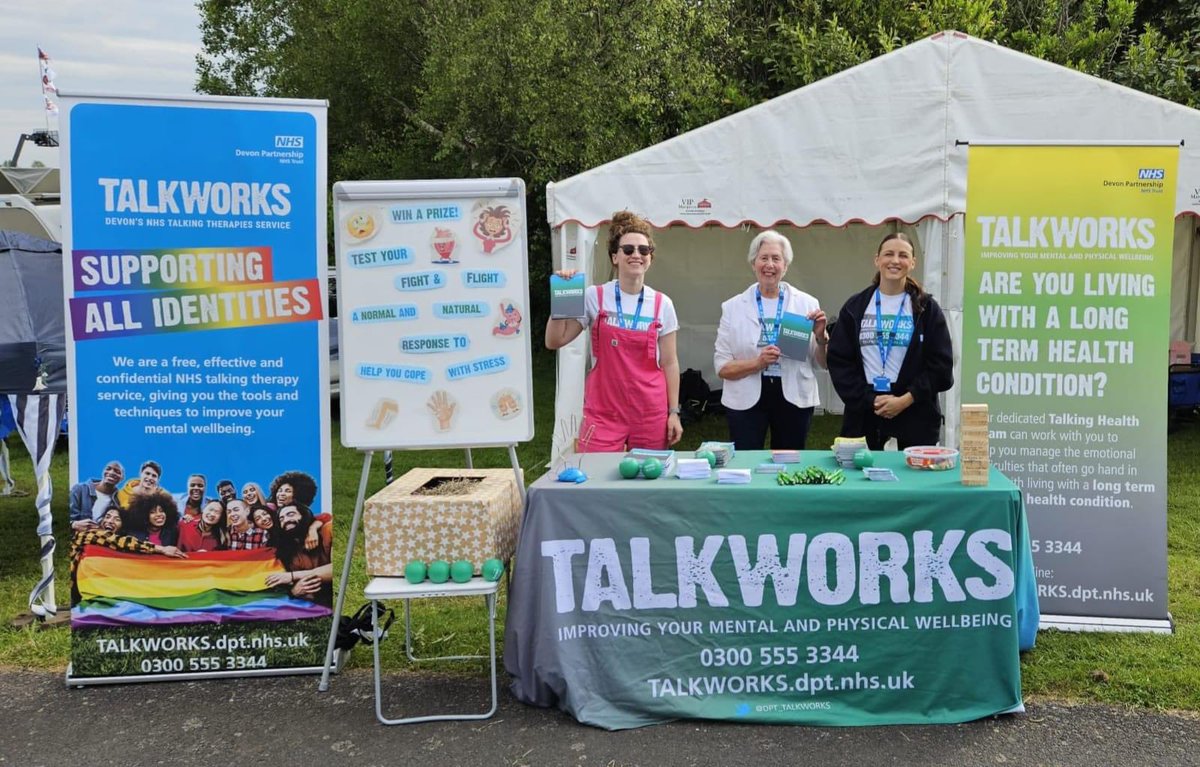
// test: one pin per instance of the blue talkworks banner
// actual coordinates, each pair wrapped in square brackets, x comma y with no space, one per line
[194,269]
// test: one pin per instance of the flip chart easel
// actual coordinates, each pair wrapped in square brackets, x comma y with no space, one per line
[433,290]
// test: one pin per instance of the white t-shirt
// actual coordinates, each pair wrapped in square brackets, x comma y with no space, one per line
[629,302]
[766,330]
[889,306]
[103,501]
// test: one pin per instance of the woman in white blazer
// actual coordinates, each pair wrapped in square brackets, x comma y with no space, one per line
[762,388]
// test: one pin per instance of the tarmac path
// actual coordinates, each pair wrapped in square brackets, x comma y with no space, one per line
[285,721]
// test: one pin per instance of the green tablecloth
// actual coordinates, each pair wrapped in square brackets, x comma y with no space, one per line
[638,601]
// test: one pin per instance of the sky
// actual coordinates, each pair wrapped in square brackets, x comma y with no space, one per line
[95,47]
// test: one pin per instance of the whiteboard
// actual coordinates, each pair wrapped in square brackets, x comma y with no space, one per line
[433,313]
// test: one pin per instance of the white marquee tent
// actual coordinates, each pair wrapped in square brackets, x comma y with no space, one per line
[837,164]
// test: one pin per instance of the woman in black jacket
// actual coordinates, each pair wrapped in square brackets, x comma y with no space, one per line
[890,380]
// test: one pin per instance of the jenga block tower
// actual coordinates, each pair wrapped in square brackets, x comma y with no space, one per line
[973,445]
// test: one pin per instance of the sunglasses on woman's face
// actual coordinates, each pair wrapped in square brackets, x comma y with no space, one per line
[628,250]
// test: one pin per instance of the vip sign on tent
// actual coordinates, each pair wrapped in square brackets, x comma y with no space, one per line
[200,500]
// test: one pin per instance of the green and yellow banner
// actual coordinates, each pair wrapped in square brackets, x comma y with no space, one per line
[1066,302]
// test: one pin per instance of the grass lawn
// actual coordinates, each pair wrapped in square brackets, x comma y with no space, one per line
[1136,669]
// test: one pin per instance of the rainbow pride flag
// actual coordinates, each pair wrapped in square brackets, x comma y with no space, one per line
[125,589]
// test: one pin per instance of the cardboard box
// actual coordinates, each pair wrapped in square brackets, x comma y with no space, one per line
[477,525]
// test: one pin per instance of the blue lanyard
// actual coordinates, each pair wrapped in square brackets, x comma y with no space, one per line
[885,350]
[762,321]
[637,315]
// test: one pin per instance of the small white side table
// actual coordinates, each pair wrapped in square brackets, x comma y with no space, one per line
[383,589]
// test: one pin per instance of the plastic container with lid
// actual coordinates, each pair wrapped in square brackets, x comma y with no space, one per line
[932,458]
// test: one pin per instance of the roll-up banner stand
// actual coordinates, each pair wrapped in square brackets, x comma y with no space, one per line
[199,386]
[1065,335]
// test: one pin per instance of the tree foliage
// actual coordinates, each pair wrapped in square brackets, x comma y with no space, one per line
[547,88]
[544,89]
[540,89]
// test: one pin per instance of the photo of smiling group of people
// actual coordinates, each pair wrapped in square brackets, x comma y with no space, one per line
[215,552]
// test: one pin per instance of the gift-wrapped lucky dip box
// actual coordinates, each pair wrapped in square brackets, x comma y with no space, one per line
[449,514]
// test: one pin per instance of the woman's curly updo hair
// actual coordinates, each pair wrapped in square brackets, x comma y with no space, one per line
[626,222]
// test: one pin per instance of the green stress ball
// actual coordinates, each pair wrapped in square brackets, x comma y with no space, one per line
[461,571]
[414,571]
[652,468]
[439,571]
[863,459]
[629,468]
[492,569]
[709,456]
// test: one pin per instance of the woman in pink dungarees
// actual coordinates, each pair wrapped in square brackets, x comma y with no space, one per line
[631,398]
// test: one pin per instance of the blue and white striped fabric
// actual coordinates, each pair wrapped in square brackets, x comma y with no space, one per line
[38,417]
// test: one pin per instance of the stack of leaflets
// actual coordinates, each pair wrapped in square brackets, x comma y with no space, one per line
[665,457]
[733,476]
[693,468]
[567,297]
[722,450]
[795,335]
[785,456]
[844,449]
[876,474]
[769,468]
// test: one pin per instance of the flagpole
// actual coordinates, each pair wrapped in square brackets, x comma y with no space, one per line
[45,112]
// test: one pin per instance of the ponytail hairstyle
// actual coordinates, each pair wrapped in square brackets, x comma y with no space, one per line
[918,295]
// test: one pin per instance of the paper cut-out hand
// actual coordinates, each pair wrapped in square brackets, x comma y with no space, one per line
[442,407]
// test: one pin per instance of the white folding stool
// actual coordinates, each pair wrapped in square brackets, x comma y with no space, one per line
[383,589]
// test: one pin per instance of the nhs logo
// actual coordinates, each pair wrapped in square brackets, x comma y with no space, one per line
[297,142]
[1151,174]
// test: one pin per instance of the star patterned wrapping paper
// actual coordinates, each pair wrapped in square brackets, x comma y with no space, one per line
[477,525]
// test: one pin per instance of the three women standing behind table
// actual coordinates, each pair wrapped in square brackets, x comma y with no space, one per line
[631,397]
[762,388]
[890,354]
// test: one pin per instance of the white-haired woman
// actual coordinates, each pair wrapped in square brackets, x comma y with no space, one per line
[762,388]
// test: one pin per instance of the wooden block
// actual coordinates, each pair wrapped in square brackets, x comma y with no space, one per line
[974,415]
[975,472]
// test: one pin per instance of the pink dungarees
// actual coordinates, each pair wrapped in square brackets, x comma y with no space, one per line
[625,397]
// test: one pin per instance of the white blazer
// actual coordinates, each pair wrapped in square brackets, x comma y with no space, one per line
[737,339]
